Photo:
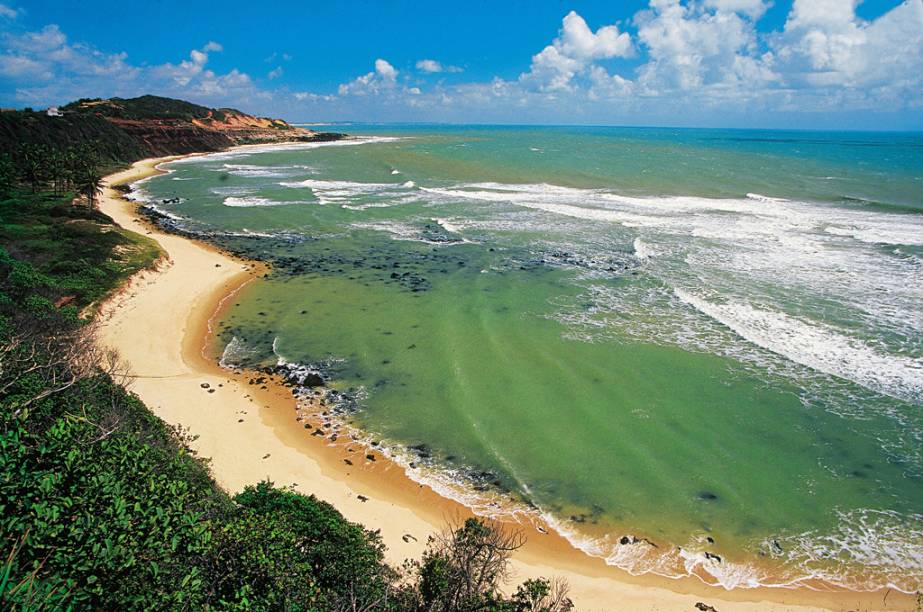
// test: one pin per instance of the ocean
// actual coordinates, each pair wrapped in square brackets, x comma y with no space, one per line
[689,351]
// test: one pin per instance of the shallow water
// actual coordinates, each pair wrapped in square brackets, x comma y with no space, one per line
[712,339]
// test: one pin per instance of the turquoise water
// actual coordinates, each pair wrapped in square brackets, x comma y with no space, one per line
[711,339]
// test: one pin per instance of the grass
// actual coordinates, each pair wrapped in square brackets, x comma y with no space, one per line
[82,249]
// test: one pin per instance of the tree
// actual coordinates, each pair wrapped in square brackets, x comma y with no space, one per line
[464,567]
[85,173]
[542,596]
[33,164]
[57,170]
[90,185]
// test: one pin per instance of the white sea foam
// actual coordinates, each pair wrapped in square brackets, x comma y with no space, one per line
[886,544]
[761,198]
[232,190]
[235,354]
[253,171]
[253,201]
[340,185]
[402,231]
[166,213]
[817,346]
[351,194]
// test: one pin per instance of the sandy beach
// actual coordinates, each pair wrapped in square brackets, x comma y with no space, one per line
[161,324]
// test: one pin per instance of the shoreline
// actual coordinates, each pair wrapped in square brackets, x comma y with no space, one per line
[250,433]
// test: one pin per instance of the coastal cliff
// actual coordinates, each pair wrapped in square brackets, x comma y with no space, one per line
[126,130]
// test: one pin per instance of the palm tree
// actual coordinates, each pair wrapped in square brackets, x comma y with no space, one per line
[84,162]
[90,184]
[34,164]
[57,171]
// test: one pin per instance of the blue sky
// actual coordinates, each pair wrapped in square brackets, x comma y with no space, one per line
[735,63]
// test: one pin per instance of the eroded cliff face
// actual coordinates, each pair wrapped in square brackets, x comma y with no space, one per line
[125,130]
[160,137]
[219,129]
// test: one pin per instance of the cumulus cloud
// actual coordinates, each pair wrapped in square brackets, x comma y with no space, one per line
[825,44]
[383,78]
[573,51]
[45,54]
[187,70]
[691,47]
[710,56]
[605,86]
[432,66]
[45,68]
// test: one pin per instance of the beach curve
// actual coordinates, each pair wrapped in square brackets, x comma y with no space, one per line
[249,433]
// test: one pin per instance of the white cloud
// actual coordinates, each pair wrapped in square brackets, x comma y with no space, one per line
[428,65]
[385,70]
[691,47]
[44,68]
[573,51]
[383,78]
[307,96]
[432,66]
[16,66]
[825,44]
[45,54]
[274,73]
[8,12]
[751,8]
[606,86]
[187,70]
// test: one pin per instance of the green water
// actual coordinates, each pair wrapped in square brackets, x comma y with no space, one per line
[678,335]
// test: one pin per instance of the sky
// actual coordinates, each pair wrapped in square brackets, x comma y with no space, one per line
[831,64]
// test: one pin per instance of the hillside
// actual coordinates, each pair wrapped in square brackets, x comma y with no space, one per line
[125,130]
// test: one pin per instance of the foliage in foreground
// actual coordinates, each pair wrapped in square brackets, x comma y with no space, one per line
[102,505]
